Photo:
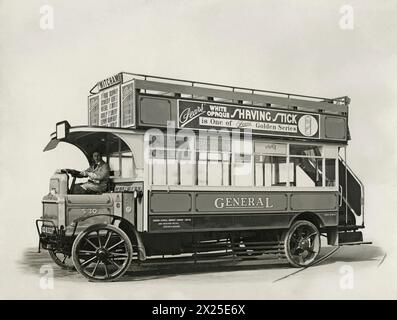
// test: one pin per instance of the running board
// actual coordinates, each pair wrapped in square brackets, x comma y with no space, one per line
[355,243]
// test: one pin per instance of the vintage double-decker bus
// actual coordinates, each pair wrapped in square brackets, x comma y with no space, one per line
[200,170]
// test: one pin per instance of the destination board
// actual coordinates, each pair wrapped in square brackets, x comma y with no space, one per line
[109,107]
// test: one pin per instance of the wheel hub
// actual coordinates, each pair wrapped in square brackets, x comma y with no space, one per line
[304,244]
[102,254]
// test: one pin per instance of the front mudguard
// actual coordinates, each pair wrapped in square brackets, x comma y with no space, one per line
[124,224]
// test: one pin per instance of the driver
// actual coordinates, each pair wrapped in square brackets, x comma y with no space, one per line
[98,176]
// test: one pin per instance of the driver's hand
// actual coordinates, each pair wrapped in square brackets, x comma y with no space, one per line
[91,175]
[84,173]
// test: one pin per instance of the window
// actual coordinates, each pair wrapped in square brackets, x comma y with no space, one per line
[171,162]
[330,172]
[271,167]
[313,166]
[242,173]
[214,160]
[121,165]
[307,165]
[270,170]
[307,172]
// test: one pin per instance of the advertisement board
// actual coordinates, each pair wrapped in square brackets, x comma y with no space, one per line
[261,120]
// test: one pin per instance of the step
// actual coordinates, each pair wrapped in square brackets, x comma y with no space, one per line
[351,238]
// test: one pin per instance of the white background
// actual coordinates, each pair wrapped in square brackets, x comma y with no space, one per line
[290,46]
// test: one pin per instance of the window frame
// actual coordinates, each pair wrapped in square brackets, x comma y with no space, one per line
[288,156]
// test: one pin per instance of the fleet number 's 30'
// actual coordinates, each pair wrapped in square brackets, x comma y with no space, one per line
[89,211]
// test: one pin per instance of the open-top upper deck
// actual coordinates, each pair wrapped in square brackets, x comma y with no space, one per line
[140,101]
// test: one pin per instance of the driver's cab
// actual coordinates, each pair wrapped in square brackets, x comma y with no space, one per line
[120,149]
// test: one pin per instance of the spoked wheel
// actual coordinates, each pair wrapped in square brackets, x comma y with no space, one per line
[61,259]
[302,243]
[102,252]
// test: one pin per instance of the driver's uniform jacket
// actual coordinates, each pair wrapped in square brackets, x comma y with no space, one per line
[98,177]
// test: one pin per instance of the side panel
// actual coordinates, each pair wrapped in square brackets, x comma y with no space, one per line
[175,202]
[173,211]
[314,201]
[154,111]
[129,208]
[85,205]
[335,128]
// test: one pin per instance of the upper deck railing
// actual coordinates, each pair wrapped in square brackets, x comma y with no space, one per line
[344,100]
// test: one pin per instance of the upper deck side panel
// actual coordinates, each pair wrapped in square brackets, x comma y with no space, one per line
[265,122]
[142,104]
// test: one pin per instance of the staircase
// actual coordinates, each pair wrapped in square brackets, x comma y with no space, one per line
[351,207]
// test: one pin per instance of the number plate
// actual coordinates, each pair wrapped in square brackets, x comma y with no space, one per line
[47,229]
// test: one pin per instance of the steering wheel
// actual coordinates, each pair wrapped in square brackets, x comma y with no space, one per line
[75,174]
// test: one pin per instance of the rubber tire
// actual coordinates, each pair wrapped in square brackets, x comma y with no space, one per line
[287,238]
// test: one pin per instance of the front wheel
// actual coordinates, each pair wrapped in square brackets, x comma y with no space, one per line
[102,252]
[302,243]
[61,259]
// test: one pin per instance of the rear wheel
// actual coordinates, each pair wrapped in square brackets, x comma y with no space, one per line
[102,253]
[302,243]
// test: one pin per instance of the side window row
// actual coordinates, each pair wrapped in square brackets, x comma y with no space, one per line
[254,164]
